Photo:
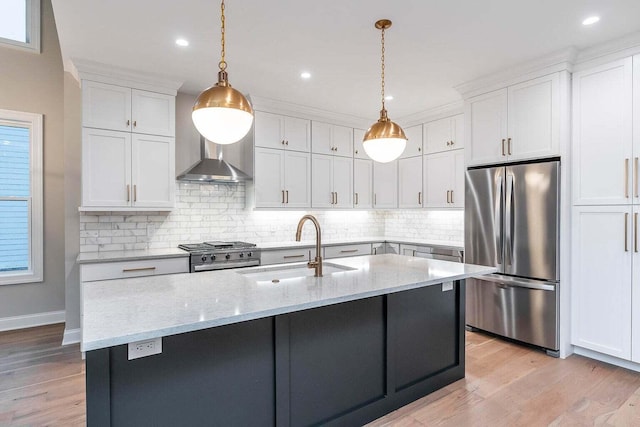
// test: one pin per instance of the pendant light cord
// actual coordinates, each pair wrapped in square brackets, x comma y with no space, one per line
[382,71]
[222,64]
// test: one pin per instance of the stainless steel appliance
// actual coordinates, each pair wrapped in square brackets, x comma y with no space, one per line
[512,223]
[220,255]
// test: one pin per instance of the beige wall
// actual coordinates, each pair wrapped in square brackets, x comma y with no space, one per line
[34,83]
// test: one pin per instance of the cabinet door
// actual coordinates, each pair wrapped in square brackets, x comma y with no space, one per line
[602,134]
[486,127]
[153,171]
[457,129]
[410,182]
[269,178]
[601,299]
[385,185]
[343,181]
[363,183]
[269,130]
[297,175]
[636,127]
[534,118]
[438,180]
[414,142]
[153,113]
[635,290]
[321,142]
[322,181]
[358,149]
[106,168]
[297,134]
[457,190]
[438,135]
[342,141]
[106,106]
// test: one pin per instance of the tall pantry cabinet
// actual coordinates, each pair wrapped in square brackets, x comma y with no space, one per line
[606,206]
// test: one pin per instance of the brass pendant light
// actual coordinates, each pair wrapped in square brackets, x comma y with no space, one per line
[385,140]
[221,113]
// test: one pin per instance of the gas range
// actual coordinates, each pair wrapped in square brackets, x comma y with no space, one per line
[220,255]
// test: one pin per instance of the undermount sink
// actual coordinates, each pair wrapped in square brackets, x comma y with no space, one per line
[296,271]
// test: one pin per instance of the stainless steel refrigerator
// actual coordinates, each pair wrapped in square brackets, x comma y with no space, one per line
[512,223]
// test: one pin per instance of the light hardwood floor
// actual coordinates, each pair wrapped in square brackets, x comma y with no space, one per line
[42,384]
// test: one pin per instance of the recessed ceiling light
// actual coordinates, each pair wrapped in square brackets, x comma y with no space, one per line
[305,75]
[389,98]
[182,42]
[591,20]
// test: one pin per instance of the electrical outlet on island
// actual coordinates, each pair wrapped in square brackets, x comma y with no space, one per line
[145,348]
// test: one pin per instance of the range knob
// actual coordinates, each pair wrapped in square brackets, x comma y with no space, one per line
[227,256]
[213,257]
[241,255]
[204,258]
[249,254]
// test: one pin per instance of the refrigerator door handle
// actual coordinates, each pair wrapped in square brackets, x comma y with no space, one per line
[498,221]
[509,221]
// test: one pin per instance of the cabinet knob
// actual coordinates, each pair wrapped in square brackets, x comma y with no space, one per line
[135,123]
[128,123]
[356,151]
[452,143]
[419,149]
[286,142]
[282,142]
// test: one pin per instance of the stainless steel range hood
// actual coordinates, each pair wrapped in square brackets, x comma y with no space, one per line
[216,160]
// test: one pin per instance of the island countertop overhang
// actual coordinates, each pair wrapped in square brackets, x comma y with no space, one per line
[121,311]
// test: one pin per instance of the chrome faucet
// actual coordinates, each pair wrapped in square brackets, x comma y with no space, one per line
[317,263]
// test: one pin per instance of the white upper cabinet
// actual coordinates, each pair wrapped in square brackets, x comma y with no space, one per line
[414,142]
[297,179]
[385,185]
[332,181]
[410,182]
[444,180]
[152,170]
[358,149]
[343,182]
[444,134]
[284,132]
[516,123]
[362,184]
[106,106]
[331,139]
[282,179]
[604,170]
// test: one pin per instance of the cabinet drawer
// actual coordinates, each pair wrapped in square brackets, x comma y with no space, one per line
[124,269]
[347,250]
[285,256]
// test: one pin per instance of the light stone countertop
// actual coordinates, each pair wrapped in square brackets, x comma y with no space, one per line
[121,311]
[133,255]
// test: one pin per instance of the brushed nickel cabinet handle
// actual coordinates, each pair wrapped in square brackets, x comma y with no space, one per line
[448,199]
[452,196]
[129,270]
[348,251]
[419,197]
[135,193]
[293,256]
[375,199]
[282,196]
[635,232]
[626,244]
[336,198]
[509,146]
[332,197]
[287,194]
[356,194]
[626,178]
[503,141]
[635,177]
[128,193]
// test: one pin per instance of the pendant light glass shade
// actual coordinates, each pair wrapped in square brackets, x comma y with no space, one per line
[385,140]
[221,113]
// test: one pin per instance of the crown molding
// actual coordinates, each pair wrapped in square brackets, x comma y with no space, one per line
[83,69]
[611,50]
[303,111]
[561,60]
[431,114]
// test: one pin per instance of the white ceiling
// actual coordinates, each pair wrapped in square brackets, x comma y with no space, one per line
[433,45]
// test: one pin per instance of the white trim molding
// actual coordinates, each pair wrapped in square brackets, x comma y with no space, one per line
[31,320]
[71,336]
[33,122]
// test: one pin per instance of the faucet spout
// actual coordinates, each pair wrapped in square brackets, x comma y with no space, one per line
[317,262]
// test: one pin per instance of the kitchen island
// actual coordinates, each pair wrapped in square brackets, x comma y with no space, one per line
[273,345]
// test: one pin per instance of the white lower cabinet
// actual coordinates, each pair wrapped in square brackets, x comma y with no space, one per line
[362,184]
[347,250]
[332,181]
[410,182]
[604,254]
[385,185]
[282,178]
[444,180]
[124,269]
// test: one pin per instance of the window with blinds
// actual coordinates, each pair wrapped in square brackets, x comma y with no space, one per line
[20,197]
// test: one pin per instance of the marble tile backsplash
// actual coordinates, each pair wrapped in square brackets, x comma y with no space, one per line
[207,212]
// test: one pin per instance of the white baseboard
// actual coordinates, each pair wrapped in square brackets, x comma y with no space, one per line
[607,359]
[31,320]
[71,336]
